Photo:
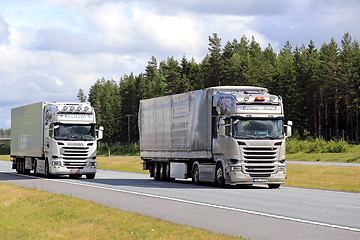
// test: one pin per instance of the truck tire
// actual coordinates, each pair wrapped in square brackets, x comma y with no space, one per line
[35,168]
[196,175]
[167,171]
[156,171]
[47,170]
[162,172]
[219,177]
[18,167]
[22,166]
[90,176]
[272,186]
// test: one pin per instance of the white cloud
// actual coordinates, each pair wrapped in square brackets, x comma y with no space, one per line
[4,31]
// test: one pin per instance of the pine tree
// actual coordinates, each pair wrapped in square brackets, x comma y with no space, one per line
[81,96]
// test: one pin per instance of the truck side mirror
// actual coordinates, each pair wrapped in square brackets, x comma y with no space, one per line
[221,127]
[100,134]
[288,128]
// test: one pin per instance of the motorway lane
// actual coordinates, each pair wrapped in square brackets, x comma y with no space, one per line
[283,213]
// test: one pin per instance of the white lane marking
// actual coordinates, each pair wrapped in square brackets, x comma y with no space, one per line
[214,206]
[201,204]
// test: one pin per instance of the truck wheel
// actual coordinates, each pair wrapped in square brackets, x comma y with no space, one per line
[47,170]
[272,186]
[90,176]
[219,178]
[167,171]
[35,168]
[22,166]
[195,175]
[18,165]
[156,171]
[162,171]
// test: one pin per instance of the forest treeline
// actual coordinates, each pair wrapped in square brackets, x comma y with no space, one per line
[320,87]
[5,132]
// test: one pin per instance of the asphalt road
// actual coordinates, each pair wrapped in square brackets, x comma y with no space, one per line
[254,213]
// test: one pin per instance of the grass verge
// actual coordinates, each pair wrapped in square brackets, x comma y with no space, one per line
[324,177]
[121,163]
[4,157]
[32,214]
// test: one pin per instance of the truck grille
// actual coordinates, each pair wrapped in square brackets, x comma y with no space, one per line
[259,161]
[75,157]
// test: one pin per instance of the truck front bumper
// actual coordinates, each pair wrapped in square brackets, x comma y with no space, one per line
[61,170]
[238,177]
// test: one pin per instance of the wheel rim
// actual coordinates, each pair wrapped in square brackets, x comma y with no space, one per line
[219,174]
[196,175]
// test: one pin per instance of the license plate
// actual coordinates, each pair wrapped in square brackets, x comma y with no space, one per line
[259,180]
[75,171]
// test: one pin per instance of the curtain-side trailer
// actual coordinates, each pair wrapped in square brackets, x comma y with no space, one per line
[226,135]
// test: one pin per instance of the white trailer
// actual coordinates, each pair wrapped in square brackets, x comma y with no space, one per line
[226,135]
[54,138]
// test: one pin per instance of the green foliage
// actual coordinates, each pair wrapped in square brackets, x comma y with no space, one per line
[81,96]
[119,149]
[5,132]
[318,145]
[4,148]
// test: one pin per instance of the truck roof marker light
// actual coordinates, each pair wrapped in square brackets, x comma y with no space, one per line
[260,99]
[65,108]
[86,108]
[72,108]
[272,98]
[246,98]
[79,108]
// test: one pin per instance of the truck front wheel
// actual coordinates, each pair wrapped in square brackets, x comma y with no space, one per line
[219,178]
[47,169]
[195,175]
[90,176]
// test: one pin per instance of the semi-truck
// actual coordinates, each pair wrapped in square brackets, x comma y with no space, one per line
[224,135]
[55,138]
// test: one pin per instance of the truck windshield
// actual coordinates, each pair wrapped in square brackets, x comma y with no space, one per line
[75,132]
[258,128]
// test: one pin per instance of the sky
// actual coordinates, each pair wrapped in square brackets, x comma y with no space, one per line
[49,49]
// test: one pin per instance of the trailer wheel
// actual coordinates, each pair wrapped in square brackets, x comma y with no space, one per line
[22,166]
[219,178]
[167,171]
[17,165]
[196,175]
[162,172]
[156,171]
[272,186]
